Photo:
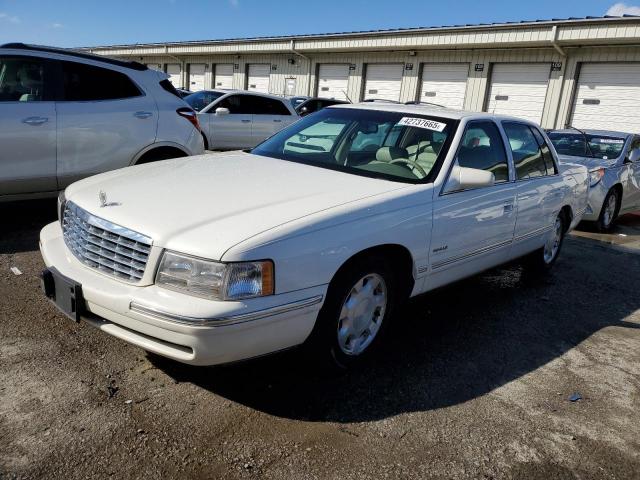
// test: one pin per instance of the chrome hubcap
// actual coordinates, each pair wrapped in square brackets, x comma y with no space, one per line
[553,242]
[361,314]
[609,211]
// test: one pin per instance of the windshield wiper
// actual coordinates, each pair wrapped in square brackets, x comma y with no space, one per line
[586,141]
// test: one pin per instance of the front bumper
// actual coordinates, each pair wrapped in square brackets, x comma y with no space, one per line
[185,328]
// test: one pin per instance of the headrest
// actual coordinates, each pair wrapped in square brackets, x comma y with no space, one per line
[386,154]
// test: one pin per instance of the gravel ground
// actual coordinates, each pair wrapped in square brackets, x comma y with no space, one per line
[474,382]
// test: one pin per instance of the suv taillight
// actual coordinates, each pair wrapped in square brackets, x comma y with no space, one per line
[190,115]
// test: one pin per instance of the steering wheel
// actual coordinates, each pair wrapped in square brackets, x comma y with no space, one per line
[411,164]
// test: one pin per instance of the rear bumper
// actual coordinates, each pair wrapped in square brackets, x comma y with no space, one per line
[181,327]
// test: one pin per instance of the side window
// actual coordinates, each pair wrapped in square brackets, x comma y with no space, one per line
[233,103]
[276,107]
[83,82]
[527,155]
[546,152]
[482,148]
[266,106]
[635,145]
[21,79]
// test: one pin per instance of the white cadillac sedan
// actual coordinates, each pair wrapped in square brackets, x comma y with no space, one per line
[315,237]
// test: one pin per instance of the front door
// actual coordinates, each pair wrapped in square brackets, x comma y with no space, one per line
[473,228]
[27,126]
[231,130]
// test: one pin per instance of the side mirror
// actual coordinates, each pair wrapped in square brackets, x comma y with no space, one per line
[634,155]
[222,111]
[463,178]
[304,111]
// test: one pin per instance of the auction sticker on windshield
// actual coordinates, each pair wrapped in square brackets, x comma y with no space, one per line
[422,123]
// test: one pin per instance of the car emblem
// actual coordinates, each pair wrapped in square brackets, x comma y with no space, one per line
[102,196]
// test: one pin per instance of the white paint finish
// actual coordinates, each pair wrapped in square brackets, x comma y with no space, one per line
[444,84]
[519,90]
[333,81]
[196,76]
[258,76]
[223,76]
[608,97]
[308,220]
[383,81]
[173,70]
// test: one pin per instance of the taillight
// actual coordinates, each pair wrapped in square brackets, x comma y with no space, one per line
[190,115]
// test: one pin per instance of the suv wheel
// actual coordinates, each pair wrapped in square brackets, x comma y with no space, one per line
[609,211]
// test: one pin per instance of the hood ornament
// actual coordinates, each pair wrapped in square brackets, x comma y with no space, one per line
[102,196]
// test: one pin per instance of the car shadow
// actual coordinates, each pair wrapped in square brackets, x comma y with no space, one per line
[21,224]
[446,347]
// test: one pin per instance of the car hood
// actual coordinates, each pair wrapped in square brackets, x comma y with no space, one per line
[590,163]
[206,204]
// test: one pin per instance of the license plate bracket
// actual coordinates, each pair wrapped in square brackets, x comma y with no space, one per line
[64,293]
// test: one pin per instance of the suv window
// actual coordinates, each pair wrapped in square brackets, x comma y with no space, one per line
[237,104]
[83,82]
[21,79]
[482,148]
[528,157]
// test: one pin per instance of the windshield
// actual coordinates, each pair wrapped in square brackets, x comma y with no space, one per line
[391,145]
[199,100]
[596,146]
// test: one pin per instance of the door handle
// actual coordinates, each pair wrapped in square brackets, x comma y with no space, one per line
[245,121]
[35,121]
[508,207]
[278,121]
[142,115]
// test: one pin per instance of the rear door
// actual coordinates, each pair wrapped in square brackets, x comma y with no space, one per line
[539,190]
[473,229]
[269,116]
[104,121]
[233,130]
[27,126]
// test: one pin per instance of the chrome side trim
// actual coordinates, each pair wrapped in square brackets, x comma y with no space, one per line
[480,251]
[223,321]
[533,233]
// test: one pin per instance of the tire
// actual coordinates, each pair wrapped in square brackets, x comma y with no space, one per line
[543,259]
[609,211]
[341,340]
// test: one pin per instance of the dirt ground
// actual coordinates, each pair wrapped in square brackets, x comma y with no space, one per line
[474,382]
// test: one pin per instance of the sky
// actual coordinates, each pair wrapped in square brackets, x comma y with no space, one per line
[80,23]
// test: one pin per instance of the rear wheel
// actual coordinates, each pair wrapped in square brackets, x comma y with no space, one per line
[543,259]
[360,302]
[609,211]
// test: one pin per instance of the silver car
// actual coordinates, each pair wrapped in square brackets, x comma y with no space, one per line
[237,119]
[66,115]
[613,160]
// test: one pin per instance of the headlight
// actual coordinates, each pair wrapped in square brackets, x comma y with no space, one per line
[62,200]
[215,280]
[595,176]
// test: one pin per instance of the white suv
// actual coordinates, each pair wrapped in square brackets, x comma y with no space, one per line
[66,115]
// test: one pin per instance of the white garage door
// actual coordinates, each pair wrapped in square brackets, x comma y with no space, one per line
[258,80]
[196,77]
[383,81]
[173,70]
[444,84]
[607,97]
[519,89]
[333,81]
[154,66]
[224,76]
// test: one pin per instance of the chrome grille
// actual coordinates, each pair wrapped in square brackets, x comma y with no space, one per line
[105,246]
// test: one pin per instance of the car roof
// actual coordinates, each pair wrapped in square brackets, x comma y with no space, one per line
[427,109]
[610,133]
[246,92]
[76,54]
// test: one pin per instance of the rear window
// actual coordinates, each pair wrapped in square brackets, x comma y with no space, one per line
[168,86]
[83,82]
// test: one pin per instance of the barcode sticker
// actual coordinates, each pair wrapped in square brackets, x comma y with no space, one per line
[422,123]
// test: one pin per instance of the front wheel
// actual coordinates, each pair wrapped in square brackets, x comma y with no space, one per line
[543,259]
[609,211]
[359,305]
